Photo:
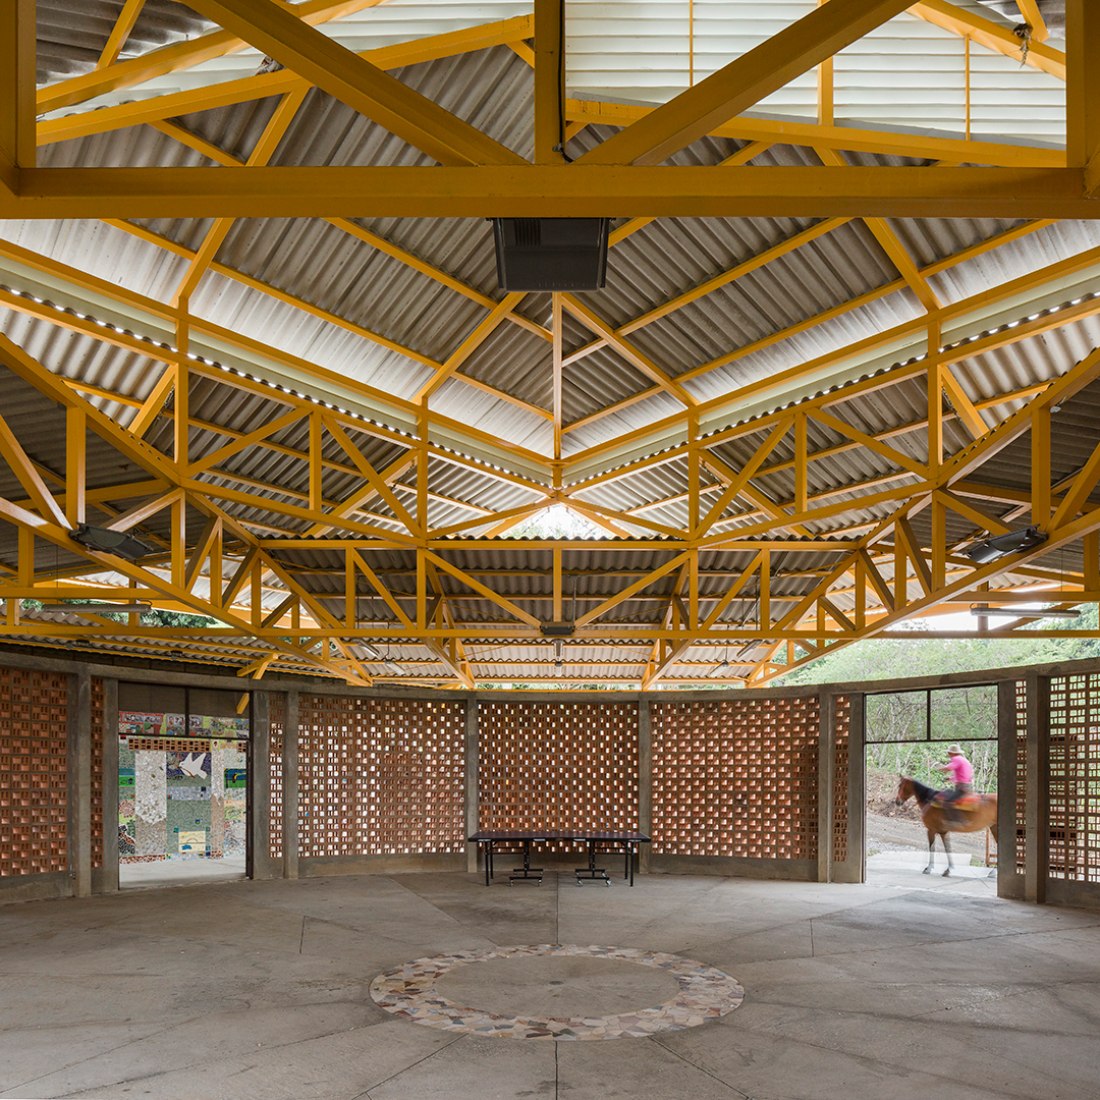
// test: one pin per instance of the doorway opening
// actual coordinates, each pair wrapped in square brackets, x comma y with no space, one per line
[183,785]
[907,733]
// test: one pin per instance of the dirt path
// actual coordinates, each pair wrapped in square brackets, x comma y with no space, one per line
[904,833]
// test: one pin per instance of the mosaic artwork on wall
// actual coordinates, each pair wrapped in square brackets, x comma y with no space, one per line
[181,799]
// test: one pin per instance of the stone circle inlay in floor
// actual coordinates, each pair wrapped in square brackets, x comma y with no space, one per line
[412,990]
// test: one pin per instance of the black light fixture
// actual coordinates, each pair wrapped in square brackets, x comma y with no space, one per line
[981,611]
[107,541]
[96,607]
[556,630]
[1000,546]
[551,253]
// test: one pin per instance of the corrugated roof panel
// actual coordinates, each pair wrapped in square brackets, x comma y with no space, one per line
[261,317]
[77,357]
[515,360]
[814,342]
[487,413]
[637,415]
[332,270]
[101,250]
[72,33]
[1037,250]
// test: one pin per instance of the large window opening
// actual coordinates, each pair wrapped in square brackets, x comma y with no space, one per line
[907,733]
[182,784]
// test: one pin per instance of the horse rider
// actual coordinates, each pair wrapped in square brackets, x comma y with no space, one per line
[961,771]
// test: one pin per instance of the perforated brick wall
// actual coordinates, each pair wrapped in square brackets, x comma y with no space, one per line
[1020,838]
[557,766]
[277,723]
[736,778]
[381,776]
[98,733]
[34,710]
[1075,778]
[842,730]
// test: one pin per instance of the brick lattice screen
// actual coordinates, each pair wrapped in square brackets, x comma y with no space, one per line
[381,776]
[1075,778]
[736,778]
[1019,856]
[842,732]
[277,723]
[557,766]
[97,727]
[34,709]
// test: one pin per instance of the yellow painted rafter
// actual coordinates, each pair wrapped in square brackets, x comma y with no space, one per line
[744,82]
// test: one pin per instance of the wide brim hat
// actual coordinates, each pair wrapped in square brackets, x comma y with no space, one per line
[955,750]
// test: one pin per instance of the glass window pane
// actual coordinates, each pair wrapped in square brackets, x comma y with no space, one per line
[898,716]
[964,714]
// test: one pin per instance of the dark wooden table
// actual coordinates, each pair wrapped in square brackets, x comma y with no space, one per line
[627,841]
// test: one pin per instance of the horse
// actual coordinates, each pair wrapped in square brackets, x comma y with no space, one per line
[939,822]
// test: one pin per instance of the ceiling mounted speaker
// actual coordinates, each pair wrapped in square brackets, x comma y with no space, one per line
[551,253]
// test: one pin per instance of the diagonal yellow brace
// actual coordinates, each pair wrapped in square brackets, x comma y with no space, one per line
[744,82]
[355,81]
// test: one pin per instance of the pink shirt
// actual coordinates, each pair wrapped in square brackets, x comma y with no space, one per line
[960,769]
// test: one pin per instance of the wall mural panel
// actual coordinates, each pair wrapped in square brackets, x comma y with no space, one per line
[181,796]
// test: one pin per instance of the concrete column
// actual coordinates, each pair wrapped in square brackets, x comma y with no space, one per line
[80,782]
[259,788]
[826,761]
[1007,781]
[856,864]
[290,786]
[473,806]
[1037,795]
[645,780]
[109,874]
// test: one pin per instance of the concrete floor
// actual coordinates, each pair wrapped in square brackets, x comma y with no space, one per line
[911,987]
[175,872]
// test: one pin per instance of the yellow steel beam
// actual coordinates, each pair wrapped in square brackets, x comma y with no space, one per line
[1083,90]
[379,483]
[993,36]
[643,582]
[353,80]
[1079,491]
[744,82]
[173,58]
[76,466]
[740,478]
[738,271]
[550,82]
[12,452]
[967,410]
[17,70]
[264,150]
[556,318]
[625,349]
[1033,18]
[742,156]
[124,24]
[478,335]
[577,190]
[850,138]
[271,427]
[472,582]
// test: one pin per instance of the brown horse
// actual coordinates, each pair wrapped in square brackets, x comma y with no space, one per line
[939,821]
